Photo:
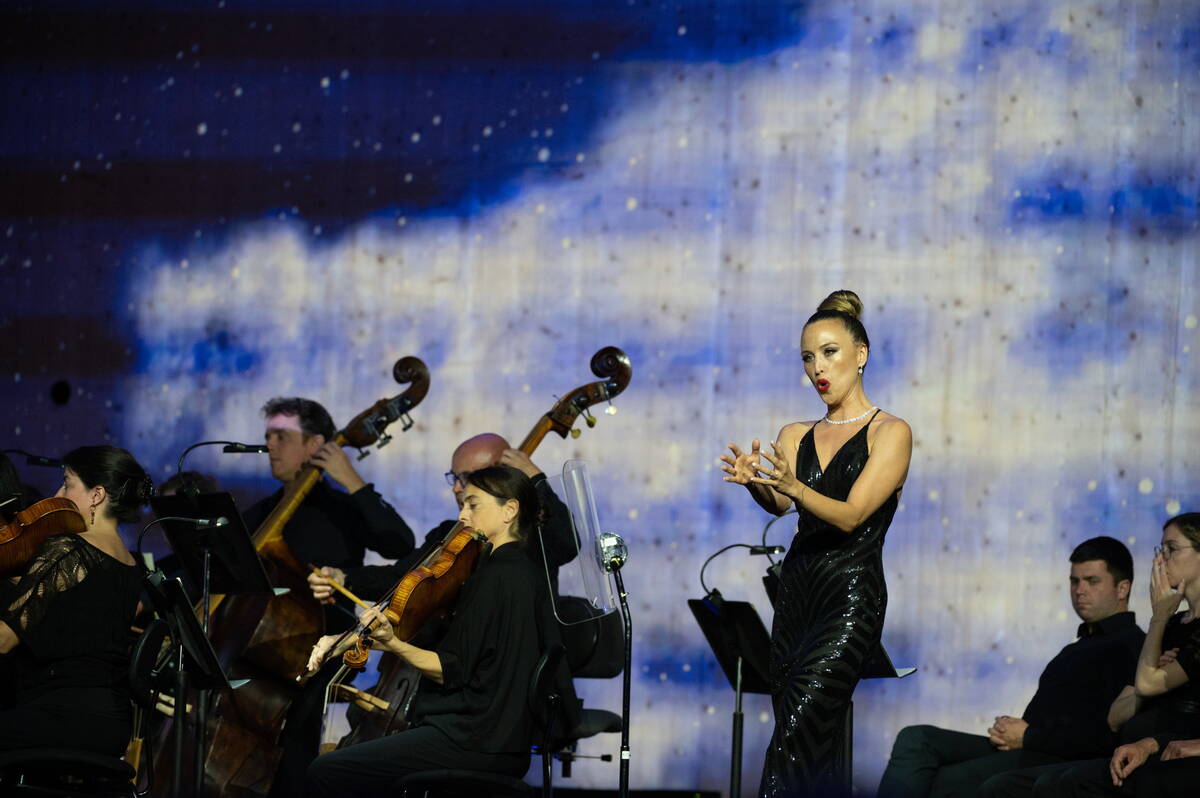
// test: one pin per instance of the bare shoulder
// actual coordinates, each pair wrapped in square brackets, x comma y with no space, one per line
[892,429]
[792,433]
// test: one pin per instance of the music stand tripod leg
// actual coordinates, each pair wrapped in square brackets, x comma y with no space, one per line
[735,764]
[848,746]
[179,722]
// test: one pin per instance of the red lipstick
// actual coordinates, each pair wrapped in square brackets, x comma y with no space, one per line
[822,385]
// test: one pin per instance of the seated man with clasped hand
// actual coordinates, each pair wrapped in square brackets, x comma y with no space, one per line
[1065,720]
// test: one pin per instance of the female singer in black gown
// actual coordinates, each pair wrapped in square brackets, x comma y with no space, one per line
[64,626]
[849,468]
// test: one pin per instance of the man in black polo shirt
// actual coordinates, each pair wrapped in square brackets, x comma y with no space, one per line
[1066,719]
[329,527]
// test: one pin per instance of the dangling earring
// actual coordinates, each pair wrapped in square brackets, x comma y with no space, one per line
[860,370]
[93,516]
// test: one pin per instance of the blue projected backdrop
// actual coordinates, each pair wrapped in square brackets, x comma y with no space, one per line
[208,204]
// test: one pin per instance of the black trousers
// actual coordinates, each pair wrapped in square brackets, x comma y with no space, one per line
[370,769]
[929,762]
[1179,778]
[1038,782]
[95,719]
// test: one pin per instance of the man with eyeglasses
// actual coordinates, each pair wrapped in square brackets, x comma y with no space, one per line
[373,581]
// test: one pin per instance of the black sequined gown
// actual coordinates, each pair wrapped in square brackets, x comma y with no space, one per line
[828,619]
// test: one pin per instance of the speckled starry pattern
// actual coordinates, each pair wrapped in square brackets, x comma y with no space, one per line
[206,204]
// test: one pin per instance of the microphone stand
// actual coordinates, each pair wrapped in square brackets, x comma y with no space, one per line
[231,447]
[716,602]
[614,553]
[181,674]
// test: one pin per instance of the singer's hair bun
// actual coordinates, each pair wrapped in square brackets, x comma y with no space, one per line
[843,301]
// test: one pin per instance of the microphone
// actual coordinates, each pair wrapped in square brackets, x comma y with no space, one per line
[48,462]
[244,448]
[205,523]
[36,459]
[767,549]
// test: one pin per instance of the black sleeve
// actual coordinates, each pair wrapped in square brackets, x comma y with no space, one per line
[370,582]
[558,533]
[385,531]
[57,567]
[1081,734]
[1189,657]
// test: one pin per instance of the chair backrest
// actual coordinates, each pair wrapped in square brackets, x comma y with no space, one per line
[143,659]
[596,648]
[543,698]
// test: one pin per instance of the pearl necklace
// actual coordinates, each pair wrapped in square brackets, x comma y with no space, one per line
[849,420]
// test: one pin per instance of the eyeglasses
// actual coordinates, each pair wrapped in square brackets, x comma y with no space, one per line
[1168,551]
[460,478]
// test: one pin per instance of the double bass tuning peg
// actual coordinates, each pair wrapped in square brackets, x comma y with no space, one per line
[589,419]
[576,432]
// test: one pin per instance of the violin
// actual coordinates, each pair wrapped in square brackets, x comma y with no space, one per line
[432,587]
[20,539]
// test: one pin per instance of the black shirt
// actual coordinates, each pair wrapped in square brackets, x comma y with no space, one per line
[1176,713]
[502,623]
[71,611]
[1068,715]
[372,582]
[335,528]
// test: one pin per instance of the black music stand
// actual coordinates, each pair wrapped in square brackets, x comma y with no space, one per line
[742,647]
[220,558]
[195,660]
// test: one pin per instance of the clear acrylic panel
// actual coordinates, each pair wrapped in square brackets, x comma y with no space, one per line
[583,577]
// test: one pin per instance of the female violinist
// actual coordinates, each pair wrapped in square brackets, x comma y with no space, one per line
[64,630]
[471,709]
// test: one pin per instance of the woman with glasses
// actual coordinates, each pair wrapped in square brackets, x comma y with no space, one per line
[1163,703]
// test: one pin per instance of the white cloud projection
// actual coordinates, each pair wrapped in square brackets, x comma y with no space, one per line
[1012,192]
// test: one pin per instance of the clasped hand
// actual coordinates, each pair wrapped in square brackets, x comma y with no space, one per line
[1007,733]
[746,468]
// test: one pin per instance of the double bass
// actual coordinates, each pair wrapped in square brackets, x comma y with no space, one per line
[430,589]
[267,639]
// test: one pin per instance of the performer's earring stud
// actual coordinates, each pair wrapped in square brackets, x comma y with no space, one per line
[860,369]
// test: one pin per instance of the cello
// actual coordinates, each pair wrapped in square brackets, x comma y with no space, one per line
[267,638]
[430,589]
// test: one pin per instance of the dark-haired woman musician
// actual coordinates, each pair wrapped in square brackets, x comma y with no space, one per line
[64,630]
[843,474]
[471,709]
